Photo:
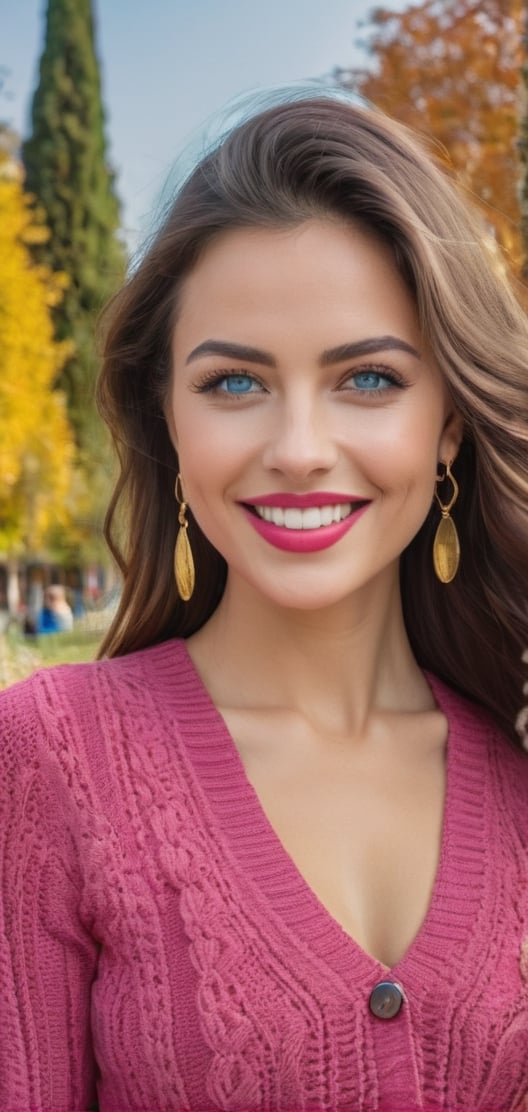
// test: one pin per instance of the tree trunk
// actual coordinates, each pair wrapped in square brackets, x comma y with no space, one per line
[13,588]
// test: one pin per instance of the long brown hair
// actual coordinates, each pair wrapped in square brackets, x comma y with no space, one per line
[283,166]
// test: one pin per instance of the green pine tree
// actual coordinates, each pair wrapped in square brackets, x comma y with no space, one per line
[68,172]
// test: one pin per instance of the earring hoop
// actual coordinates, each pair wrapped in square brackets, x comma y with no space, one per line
[446,545]
[184,573]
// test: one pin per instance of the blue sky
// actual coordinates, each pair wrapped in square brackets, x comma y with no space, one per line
[170,66]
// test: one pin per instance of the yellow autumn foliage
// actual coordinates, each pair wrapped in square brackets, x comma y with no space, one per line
[36,444]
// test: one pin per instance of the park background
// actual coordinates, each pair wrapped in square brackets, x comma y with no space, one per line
[104,102]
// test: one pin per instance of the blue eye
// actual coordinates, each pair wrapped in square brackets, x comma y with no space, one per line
[230,384]
[372,381]
[236,384]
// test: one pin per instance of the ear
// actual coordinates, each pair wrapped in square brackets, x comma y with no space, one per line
[452,436]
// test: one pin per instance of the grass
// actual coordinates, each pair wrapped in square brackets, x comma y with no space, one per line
[20,656]
[62,648]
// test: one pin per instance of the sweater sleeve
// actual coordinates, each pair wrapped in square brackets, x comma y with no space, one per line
[48,960]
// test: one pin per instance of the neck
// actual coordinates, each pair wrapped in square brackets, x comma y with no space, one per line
[335,665]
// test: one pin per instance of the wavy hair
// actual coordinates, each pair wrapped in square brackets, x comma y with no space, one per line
[285,165]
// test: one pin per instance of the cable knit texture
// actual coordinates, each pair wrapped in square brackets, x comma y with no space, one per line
[160,951]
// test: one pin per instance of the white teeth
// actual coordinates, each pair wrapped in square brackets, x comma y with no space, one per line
[293,519]
[312,518]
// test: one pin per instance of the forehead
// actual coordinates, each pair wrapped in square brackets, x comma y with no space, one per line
[338,276]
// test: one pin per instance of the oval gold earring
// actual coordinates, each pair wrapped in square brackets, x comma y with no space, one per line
[446,545]
[183,558]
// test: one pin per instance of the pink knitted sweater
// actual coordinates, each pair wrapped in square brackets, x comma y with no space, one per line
[159,948]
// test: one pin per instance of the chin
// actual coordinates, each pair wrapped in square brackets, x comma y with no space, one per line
[305,599]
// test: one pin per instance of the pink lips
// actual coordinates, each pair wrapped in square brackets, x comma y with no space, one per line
[303,540]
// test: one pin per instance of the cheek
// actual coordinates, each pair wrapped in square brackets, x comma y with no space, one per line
[400,449]
[209,462]
[212,440]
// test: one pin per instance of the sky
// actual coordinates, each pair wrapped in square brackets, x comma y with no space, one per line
[169,68]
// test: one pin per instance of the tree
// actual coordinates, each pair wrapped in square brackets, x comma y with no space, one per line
[68,173]
[451,69]
[523,148]
[36,446]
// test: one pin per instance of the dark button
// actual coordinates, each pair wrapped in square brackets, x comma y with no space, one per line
[386,1000]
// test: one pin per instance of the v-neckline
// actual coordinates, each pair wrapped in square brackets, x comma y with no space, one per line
[267,864]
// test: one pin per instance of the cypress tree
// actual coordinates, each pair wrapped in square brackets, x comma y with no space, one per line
[67,170]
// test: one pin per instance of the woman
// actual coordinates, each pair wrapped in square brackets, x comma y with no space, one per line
[271,851]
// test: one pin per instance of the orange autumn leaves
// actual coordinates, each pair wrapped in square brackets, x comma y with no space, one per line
[452,70]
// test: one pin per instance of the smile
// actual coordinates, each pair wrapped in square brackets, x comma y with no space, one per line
[303,524]
[315,517]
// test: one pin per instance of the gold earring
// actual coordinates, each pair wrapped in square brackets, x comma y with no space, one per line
[446,545]
[183,557]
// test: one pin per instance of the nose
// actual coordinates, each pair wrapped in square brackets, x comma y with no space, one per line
[301,442]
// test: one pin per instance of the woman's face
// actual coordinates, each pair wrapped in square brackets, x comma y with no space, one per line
[307,412]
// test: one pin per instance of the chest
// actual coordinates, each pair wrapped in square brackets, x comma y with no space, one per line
[363,826]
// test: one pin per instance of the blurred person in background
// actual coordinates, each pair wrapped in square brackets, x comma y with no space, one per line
[56,615]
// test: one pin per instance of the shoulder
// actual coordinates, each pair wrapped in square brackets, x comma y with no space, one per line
[75,739]
[481,743]
[473,721]
[59,702]
[67,682]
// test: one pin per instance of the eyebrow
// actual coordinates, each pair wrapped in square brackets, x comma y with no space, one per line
[366,347]
[232,351]
[334,355]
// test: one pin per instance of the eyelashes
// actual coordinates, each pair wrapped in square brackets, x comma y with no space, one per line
[234,383]
[369,380]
